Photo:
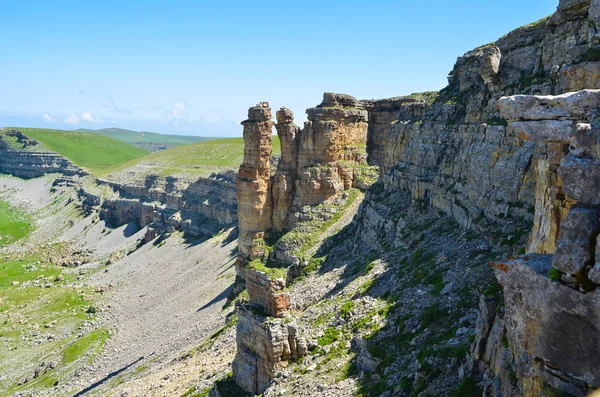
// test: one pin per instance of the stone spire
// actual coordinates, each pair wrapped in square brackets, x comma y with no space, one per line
[283,180]
[253,185]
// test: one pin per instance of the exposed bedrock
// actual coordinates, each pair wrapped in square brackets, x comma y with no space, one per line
[202,207]
[552,303]
[30,164]
[254,184]
[326,158]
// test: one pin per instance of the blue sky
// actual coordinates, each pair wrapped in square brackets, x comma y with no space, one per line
[194,67]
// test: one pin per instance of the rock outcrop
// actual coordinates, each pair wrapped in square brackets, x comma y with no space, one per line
[201,207]
[22,162]
[254,182]
[318,163]
[551,303]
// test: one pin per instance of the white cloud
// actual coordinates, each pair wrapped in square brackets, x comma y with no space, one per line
[88,117]
[178,109]
[72,119]
[47,118]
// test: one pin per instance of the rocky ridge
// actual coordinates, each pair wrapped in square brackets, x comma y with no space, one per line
[203,206]
[453,155]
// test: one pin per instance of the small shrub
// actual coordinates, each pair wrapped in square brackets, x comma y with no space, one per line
[331,335]
[91,310]
[369,267]
[431,315]
[555,274]
[346,310]
[498,121]
[492,289]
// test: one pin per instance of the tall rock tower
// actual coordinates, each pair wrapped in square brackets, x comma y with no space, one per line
[253,185]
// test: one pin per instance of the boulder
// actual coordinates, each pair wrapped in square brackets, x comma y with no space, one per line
[581,179]
[570,106]
[576,243]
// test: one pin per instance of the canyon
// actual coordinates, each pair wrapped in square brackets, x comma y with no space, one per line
[442,243]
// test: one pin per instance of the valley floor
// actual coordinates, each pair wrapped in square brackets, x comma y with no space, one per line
[150,302]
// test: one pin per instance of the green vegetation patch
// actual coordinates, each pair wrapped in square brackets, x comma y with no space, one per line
[330,335]
[14,224]
[94,340]
[190,161]
[131,137]
[37,296]
[97,153]
[468,388]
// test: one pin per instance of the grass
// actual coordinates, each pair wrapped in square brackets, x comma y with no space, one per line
[96,153]
[273,272]
[76,349]
[330,335]
[14,224]
[130,137]
[555,274]
[192,161]
[58,311]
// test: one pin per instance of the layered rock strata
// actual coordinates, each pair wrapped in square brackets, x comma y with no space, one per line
[253,184]
[552,305]
[318,163]
[201,207]
[33,164]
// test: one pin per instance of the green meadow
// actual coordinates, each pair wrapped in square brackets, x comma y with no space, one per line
[193,160]
[14,224]
[97,153]
[43,310]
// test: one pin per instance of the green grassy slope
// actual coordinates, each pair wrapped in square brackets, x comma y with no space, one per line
[14,224]
[189,161]
[129,136]
[60,309]
[97,153]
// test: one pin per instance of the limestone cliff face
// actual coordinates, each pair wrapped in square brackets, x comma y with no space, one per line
[202,207]
[552,302]
[455,151]
[33,164]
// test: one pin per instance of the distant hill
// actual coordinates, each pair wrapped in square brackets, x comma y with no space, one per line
[97,153]
[151,141]
[189,161]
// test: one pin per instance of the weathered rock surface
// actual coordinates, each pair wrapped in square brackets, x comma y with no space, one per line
[253,184]
[551,328]
[264,345]
[200,207]
[33,164]
[551,301]
[318,163]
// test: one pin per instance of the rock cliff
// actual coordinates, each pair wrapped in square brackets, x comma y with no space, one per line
[551,301]
[16,158]
[517,179]
[203,206]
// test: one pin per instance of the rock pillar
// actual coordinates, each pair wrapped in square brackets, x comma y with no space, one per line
[283,180]
[332,154]
[253,184]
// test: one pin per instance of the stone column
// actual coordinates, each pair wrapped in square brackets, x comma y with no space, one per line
[283,180]
[330,149]
[253,184]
